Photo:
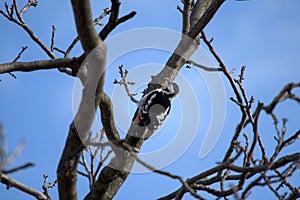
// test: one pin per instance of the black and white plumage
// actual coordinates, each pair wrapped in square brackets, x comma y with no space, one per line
[153,108]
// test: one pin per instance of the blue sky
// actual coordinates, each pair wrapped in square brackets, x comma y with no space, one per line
[37,106]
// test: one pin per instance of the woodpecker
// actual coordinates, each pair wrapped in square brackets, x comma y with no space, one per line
[153,109]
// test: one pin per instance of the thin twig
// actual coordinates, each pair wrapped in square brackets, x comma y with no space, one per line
[52,38]
[105,12]
[20,22]
[47,185]
[209,69]
[20,53]
[16,59]
[59,50]
[126,84]
[32,3]
[286,90]
[25,166]
[82,174]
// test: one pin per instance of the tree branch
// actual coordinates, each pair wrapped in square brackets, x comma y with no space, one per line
[72,63]
[205,68]
[253,170]
[200,16]
[186,13]
[20,22]
[283,94]
[92,76]
[113,176]
[18,168]
[107,118]
[9,182]
[114,21]
[85,26]
[126,84]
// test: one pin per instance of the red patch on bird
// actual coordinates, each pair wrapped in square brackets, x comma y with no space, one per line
[137,118]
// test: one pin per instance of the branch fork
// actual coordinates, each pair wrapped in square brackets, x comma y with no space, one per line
[126,84]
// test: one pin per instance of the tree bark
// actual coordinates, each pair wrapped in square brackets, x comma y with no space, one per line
[92,76]
[115,174]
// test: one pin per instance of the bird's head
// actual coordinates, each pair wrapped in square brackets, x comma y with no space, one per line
[172,89]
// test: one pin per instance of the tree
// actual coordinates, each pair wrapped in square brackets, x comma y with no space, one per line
[246,163]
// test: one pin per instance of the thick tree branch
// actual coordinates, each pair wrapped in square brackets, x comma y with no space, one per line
[92,76]
[105,12]
[200,16]
[205,18]
[107,118]
[85,26]
[72,63]
[67,168]
[114,175]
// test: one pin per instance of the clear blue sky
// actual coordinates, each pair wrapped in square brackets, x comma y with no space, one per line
[37,106]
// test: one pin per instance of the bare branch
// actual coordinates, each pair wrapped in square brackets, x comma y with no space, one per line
[9,182]
[47,185]
[251,170]
[205,68]
[205,18]
[59,50]
[82,174]
[84,24]
[17,58]
[72,63]
[185,185]
[67,167]
[100,163]
[224,68]
[126,17]
[92,76]
[25,166]
[30,3]
[6,158]
[84,162]
[284,181]
[106,11]
[255,134]
[20,22]
[283,94]
[180,9]
[242,74]
[114,21]
[20,53]
[71,46]
[126,84]
[107,118]
[187,5]
[52,38]
[187,45]
[236,91]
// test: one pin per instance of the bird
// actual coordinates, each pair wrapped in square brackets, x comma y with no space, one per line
[152,110]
